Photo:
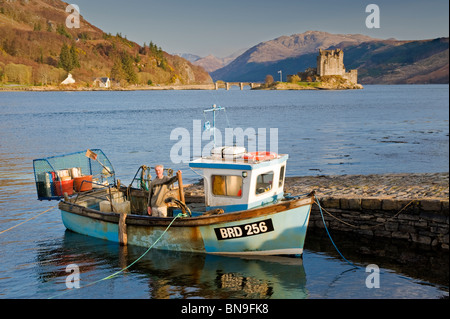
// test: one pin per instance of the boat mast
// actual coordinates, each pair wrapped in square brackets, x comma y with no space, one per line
[214,110]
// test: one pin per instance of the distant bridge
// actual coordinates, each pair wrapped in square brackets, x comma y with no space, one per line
[227,85]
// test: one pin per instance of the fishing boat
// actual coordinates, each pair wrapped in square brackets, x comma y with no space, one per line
[244,210]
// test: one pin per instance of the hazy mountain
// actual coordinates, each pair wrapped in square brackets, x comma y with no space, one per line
[212,63]
[188,56]
[378,61]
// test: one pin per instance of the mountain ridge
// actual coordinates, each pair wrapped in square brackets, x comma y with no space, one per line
[295,53]
[212,63]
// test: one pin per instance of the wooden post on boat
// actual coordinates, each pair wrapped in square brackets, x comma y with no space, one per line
[123,238]
[180,189]
[180,186]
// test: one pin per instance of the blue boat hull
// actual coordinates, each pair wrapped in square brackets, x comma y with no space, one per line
[278,229]
[278,234]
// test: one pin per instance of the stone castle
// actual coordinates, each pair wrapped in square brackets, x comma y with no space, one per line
[329,62]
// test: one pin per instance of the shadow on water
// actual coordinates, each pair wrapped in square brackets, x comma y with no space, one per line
[165,274]
[421,262]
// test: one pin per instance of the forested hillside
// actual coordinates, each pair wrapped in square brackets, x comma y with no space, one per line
[37,48]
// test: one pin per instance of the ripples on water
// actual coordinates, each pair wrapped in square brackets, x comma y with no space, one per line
[380,129]
[160,274]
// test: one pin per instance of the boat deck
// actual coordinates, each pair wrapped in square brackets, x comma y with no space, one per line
[138,201]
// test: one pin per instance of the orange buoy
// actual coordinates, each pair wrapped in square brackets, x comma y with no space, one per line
[260,156]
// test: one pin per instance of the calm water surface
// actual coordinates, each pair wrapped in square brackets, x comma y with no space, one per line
[381,129]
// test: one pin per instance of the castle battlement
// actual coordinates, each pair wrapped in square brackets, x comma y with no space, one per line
[329,62]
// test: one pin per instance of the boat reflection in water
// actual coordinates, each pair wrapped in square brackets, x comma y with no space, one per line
[177,275]
[169,274]
[228,277]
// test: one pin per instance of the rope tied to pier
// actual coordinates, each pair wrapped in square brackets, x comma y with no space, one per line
[354,226]
[332,241]
[365,227]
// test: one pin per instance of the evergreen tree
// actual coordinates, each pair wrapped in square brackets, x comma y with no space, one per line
[74,57]
[117,72]
[151,47]
[68,58]
[128,67]
[65,59]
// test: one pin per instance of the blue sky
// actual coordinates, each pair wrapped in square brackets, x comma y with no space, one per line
[223,27]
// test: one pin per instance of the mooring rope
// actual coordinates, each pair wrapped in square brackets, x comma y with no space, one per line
[332,241]
[127,267]
[51,208]
[354,226]
[367,227]
[145,253]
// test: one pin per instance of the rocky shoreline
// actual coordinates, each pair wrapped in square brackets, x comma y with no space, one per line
[311,86]
[210,86]
[128,88]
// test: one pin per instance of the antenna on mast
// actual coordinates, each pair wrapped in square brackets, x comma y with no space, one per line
[214,109]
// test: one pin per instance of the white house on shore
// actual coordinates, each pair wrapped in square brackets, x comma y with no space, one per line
[68,80]
[103,82]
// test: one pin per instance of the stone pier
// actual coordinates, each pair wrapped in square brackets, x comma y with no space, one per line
[412,207]
[420,221]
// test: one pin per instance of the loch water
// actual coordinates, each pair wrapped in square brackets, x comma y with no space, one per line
[380,129]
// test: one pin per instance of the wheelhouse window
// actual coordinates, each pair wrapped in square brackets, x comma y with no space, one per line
[225,185]
[281,180]
[264,183]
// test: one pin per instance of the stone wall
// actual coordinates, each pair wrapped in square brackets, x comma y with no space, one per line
[423,221]
[351,76]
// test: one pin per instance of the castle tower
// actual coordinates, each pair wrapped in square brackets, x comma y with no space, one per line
[330,62]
